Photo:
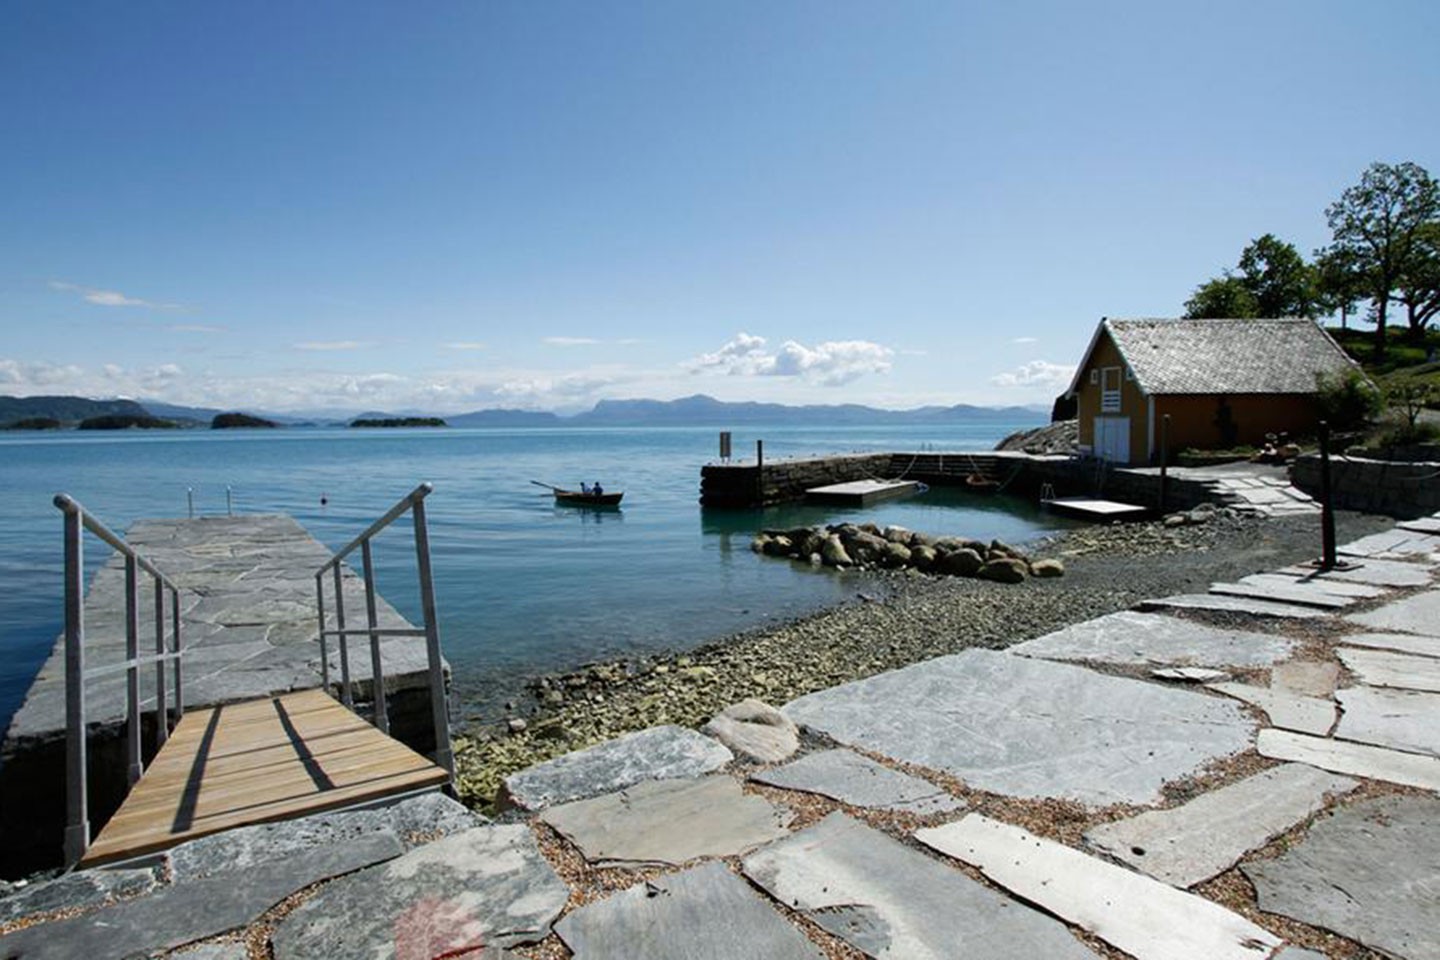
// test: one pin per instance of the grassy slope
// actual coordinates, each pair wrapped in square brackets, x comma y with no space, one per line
[1405,361]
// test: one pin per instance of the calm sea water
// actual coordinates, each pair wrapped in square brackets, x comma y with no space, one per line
[522,586]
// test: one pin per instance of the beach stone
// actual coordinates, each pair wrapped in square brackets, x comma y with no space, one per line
[1143,639]
[1145,918]
[1295,592]
[1383,668]
[1400,719]
[1355,759]
[1399,642]
[1197,840]
[833,552]
[669,821]
[704,913]
[489,886]
[1004,570]
[756,730]
[961,563]
[846,776]
[244,848]
[659,753]
[888,900]
[922,556]
[1047,568]
[1308,678]
[1370,872]
[1418,614]
[182,913]
[1254,606]
[895,555]
[1380,573]
[1287,710]
[74,891]
[1030,728]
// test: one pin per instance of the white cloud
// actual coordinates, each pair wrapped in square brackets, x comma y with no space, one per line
[195,328]
[1036,373]
[1025,340]
[570,341]
[464,345]
[17,375]
[326,345]
[831,363]
[109,298]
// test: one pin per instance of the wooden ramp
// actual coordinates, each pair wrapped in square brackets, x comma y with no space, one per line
[271,759]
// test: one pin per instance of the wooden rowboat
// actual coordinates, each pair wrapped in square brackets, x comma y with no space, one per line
[981,483]
[575,498]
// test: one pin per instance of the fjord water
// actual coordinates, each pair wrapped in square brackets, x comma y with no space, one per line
[522,586]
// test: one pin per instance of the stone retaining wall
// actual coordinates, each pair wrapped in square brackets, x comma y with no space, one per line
[1397,489]
[725,485]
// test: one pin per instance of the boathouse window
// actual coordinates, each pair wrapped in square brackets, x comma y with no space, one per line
[1110,390]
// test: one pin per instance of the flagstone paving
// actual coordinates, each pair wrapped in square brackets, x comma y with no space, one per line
[1147,638]
[893,902]
[1338,588]
[1370,872]
[1399,642]
[1308,678]
[1380,573]
[1253,606]
[1384,668]
[846,776]
[1030,728]
[1286,710]
[1306,595]
[1195,841]
[1353,759]
[1402,719]
[1418,614]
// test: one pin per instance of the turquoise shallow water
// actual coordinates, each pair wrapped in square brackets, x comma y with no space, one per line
[522,586]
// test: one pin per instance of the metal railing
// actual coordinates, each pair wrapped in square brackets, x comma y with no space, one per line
[414,504]
[77,521]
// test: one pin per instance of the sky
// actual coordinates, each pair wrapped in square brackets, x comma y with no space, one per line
[453,206]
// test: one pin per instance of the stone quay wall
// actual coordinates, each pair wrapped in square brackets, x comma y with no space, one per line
[782,481]
[1395,488]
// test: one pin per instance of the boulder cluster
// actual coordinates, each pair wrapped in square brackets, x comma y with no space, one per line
[865,546]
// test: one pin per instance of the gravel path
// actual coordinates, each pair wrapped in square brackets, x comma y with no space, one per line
[909,618]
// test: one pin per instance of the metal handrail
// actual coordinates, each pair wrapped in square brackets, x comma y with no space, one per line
[77,521]
[413,503]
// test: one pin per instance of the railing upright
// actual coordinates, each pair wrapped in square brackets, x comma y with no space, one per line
[439,705]
[77,521]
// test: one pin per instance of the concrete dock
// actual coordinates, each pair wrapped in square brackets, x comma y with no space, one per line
[249,625]
[862,492]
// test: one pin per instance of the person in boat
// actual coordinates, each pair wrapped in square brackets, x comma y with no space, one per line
[585,488]
[597,490]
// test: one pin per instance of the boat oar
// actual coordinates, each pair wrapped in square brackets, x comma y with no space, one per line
[547,486]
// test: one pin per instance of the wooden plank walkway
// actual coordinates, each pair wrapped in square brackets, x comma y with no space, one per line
[270,759]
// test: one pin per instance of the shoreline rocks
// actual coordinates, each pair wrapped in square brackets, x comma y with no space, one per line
[866,546]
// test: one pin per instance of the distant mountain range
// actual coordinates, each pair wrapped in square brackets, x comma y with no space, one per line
[699,410]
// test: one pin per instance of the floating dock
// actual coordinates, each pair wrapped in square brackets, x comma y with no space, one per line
[1089,508]
[859,493]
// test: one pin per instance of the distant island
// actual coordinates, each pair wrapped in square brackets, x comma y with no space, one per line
[34,423]
[398,422]
[125,421]
[229,421]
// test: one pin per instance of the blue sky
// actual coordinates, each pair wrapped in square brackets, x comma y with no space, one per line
[453,206]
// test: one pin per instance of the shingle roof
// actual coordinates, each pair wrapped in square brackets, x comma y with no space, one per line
[1227,356]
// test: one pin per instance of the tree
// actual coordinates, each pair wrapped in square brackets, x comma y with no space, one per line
[1418,287]
[1375,223]
[1224,296]
[1338,285]
[1278,278]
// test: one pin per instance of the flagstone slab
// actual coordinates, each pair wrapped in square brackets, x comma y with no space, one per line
[1146,639]
[669,821]
[1354,759]
[1030,728]
[1429,525]
[1400,719]
[1390,544]
[1370,872]
[1308,678]
[895,903]
[1143,917]
[485,887]
[1287,710]
[658,753]
[704,913]
[1337,588]
[1302,594]
[1380,573]
[1253,606]
[1197,840]
[1385,668]
[1399,642]
[1189,674]
[80,890]
[1418,614]
[846,776]
[1297,953]
[180,914]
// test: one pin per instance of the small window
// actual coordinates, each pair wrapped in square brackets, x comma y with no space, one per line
[1094,376]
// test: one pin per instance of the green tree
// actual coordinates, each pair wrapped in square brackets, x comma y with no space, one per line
[1224,296]
[1278,278]
[1375,224]
[1418,287]
[1339,288]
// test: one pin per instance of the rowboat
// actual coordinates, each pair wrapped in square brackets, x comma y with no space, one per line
[577,498]
[981,483]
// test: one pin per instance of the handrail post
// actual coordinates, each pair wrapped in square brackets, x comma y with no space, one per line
[377,675]
[345,696]
[179,650]
[439,701]
[324,647]
[162,715]
[77,823]
[133,767]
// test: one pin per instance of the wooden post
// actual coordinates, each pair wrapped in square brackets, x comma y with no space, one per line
[1164,459]
[1327,507]
[77,819]
[377,675]
[133,765]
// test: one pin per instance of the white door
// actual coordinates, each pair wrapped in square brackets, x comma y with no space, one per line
[1112,439]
